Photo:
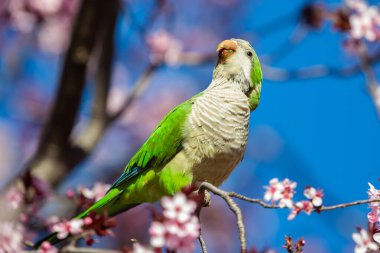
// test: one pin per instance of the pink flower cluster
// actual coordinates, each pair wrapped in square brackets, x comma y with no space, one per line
[11,237]
[179,228]
[98,224]
[95,193]
[15,197]
[374,194]
[30,193]
[93,224]
[363,241]
[283,192]
[85,197]
[46,247]
[164,48]
[66,228]
[51,18]
[364,20]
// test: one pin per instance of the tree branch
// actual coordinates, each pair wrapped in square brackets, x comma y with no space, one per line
[316,71]
[139,87]
[49,162]
[323,208]
[228,198]
[371,82]
[203,244]
[233,207]
[73,249]
[92,133]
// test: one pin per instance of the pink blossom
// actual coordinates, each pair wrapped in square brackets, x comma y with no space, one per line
[51,221]
[51,19]
[274,190]
[64,229]
[11,237]
[97,192]
[293,213]
[304,205]
[314,195]
[164,47]
[53,35]
[178,208]
[364,20]
[70,193]
[363,242]
[280,191]
[46,7]
[287,194]
[175,236]
[358,5]
[180,226]
[46,247]
[374,194]
[138,248]
[23,21]
[157,232]
[15,197]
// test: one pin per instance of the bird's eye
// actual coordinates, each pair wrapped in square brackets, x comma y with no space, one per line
[249,53]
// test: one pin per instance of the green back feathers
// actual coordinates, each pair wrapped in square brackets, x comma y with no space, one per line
[163,144]
[256,79]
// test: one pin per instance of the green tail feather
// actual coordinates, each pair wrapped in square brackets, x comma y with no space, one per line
[104,204]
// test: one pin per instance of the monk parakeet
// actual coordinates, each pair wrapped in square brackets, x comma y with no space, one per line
[202,139]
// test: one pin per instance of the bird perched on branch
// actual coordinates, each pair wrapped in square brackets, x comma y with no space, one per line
[202,139]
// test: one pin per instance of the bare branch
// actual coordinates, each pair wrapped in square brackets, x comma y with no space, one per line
[72,249]
[233,207]
[323,208]
[143,81]
[139,87]
[92,133]
[354,203]
[49,160]
[316,71]
[203,244]
[372,84]
[228,198]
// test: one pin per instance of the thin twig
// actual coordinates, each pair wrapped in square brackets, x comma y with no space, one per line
[71,249]
[203,244]
[323,208]
[371,82]
[139,87]
[87,250]
[252,200]
[317,71]
[233,207]
[354,203]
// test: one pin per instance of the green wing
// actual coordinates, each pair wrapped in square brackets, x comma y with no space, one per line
[163,144]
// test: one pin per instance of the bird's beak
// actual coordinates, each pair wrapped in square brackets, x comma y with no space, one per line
[226,49]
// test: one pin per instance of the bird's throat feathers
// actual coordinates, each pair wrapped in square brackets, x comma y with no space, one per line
[241,72]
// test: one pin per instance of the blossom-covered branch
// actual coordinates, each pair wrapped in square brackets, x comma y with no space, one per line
[283,192]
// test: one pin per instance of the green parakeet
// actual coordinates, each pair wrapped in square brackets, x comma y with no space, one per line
[202,139]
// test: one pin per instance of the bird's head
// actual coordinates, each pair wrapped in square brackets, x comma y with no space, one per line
[239,63]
